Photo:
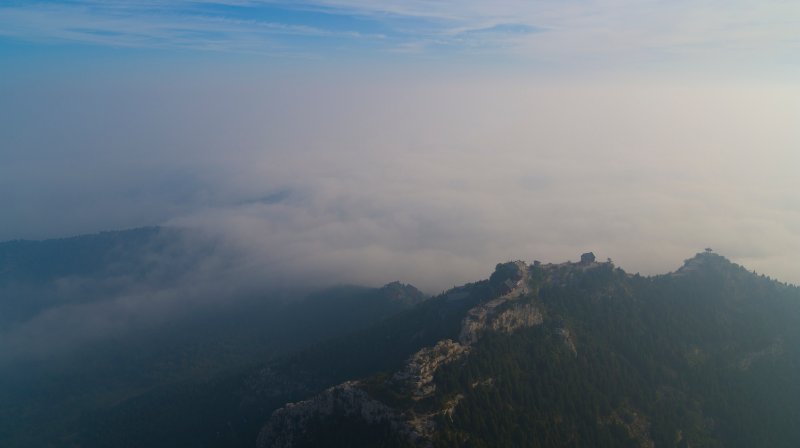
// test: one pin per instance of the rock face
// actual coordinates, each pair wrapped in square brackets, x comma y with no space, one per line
[489,316]
[417,376]
[473,324]
[350,400]
[507,276]
[568,338]
[512,279]
[346,399]
[520,316]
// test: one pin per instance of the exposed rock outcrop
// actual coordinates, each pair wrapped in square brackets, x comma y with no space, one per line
[512,280]
[568,338]
[346,399]
[350,400]
[520,316]
[417,376]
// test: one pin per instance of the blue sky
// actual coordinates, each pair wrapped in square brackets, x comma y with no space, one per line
[753,36]
[270,29]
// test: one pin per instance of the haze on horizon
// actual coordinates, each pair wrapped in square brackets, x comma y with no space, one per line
[420,141]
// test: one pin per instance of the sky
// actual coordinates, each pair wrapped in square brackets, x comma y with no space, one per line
[421,140]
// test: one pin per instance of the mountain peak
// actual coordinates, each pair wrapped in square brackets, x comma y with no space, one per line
[707,258]
[709,262]
[509,272]
[402,292]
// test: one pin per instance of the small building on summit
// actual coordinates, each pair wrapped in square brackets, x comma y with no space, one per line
[587,258]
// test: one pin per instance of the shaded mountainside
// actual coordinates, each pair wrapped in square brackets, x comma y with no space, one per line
[153,385]
[38,275]
[574,354]
[228,410]
[101,254]
[181,385]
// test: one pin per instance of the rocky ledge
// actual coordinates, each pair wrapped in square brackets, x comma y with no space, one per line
[346,399]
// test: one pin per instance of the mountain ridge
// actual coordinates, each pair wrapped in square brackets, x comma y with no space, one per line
[535,354]
[420,416]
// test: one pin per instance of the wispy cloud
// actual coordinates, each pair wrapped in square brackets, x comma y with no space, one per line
[543,31]
[158,25]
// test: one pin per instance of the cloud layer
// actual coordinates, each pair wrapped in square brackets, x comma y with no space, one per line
[429,183]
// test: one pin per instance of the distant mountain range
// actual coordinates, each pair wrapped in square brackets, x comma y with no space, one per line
[548,355]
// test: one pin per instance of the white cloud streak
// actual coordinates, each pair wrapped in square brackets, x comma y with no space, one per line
[744,34]
[610,24]
[136,26]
